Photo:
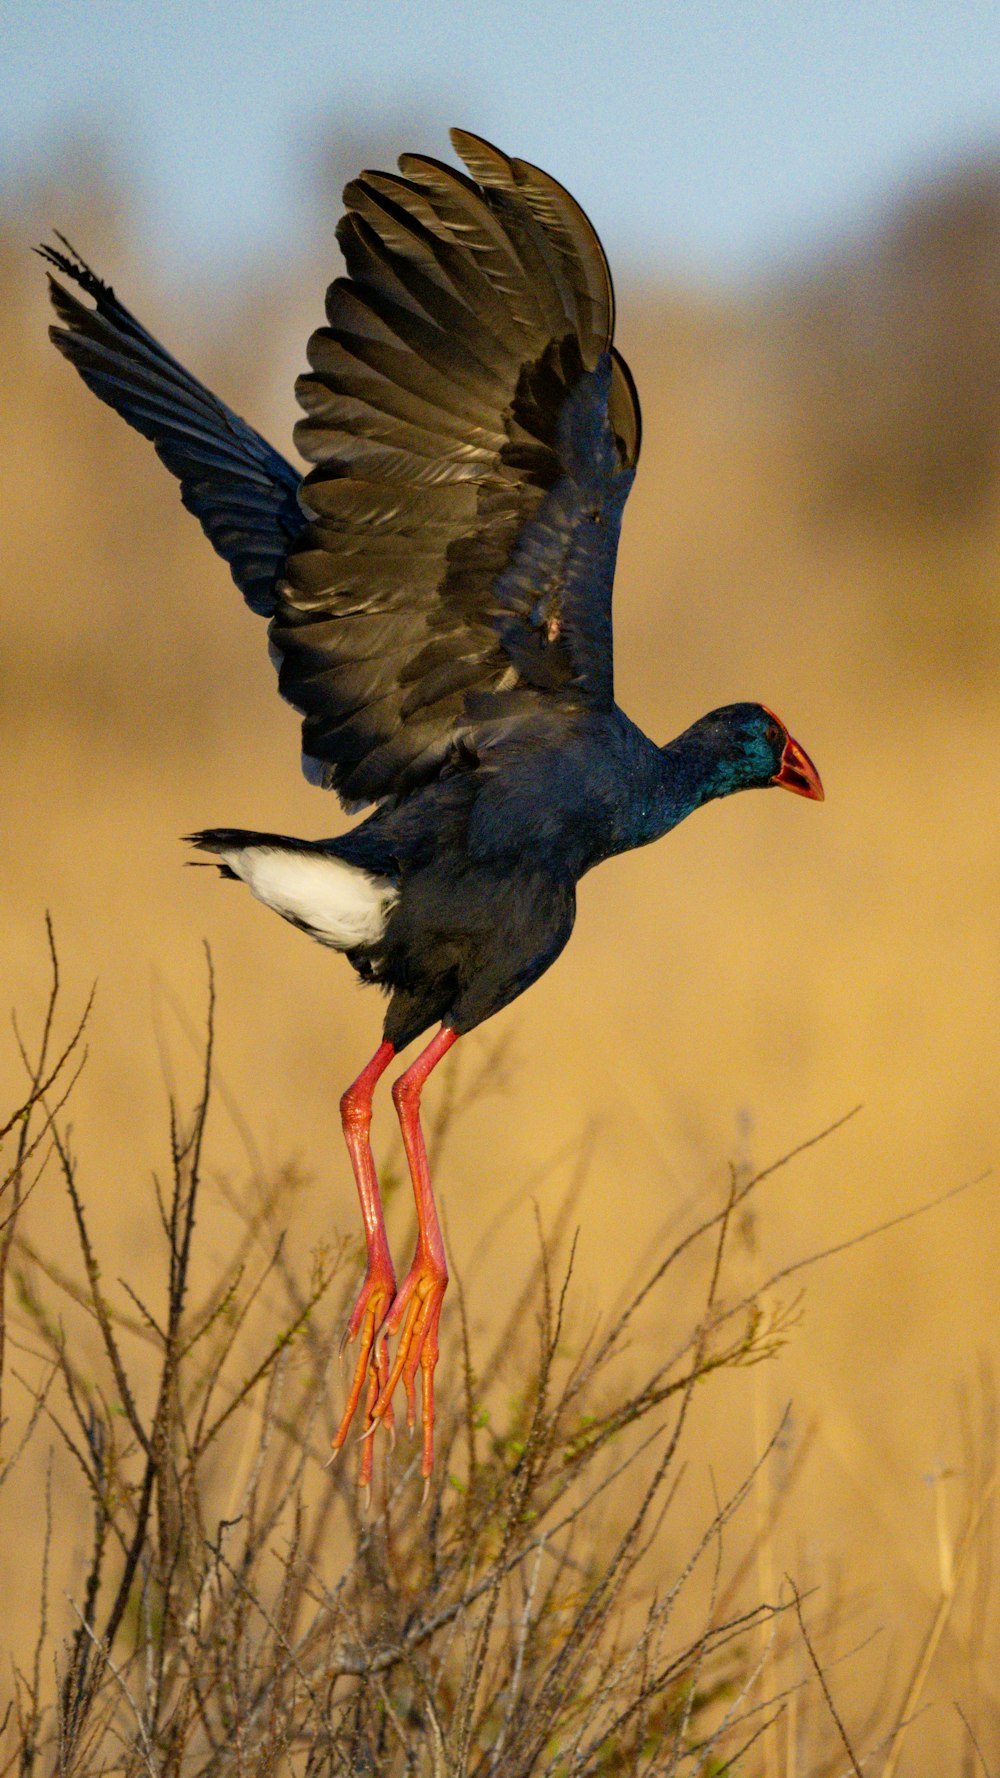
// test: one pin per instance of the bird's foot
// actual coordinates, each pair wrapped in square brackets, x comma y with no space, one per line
[415,1314]
[375,1300]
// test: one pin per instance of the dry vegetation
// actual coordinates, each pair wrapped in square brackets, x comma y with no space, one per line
[238,1608]
[601,1574]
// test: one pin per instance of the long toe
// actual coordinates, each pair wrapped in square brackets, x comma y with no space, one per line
[416,1313]
[367,1317]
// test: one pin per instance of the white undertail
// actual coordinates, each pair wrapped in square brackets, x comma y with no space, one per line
[338,903]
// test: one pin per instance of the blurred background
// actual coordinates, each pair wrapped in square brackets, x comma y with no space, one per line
[802,209]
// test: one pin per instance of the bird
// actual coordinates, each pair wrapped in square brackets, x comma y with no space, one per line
[438,590]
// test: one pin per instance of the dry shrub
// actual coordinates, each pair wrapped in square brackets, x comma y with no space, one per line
[524,1619]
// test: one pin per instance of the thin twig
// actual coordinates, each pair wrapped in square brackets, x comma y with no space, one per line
[821,1676]
[972,1738]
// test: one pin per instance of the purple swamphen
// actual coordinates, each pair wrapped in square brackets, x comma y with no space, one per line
[439,594]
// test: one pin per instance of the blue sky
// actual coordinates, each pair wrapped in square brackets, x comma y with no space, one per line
[711,139]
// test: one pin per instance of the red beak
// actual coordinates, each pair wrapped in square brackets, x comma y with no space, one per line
[798,773]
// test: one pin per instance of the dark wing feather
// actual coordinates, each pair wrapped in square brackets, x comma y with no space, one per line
[474,436]
[244,494]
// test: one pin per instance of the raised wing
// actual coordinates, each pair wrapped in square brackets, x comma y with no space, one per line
[243,493]
[475,437]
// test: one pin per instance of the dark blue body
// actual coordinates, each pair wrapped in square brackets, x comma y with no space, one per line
[487,860]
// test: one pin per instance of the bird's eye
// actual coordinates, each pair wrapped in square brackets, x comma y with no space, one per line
[773,731]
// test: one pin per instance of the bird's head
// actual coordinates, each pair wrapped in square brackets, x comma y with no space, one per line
[747,747]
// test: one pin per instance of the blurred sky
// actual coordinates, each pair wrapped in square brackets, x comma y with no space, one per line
[703,137]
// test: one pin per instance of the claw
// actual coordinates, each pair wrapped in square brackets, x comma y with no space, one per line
[367,1317]
[416,1313]
[382,1365]
[411,1401]
[368,1454]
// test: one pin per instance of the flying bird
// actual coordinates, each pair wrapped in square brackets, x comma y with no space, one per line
[438,590]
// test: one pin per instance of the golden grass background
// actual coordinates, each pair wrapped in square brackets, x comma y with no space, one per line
[815,524]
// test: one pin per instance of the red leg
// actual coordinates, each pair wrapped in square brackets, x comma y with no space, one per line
[379,1288]
[417,1308]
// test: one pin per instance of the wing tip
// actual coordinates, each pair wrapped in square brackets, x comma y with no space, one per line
[71,264]
[467,143]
